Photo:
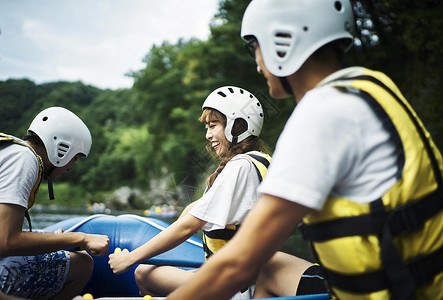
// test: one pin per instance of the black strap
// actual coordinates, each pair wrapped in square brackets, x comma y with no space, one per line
[206,248]
[28,217]
[262,160]
[234,141]
[285,83]
[422,271]
[47,176]
[402,220]
[401,282]
[222,234]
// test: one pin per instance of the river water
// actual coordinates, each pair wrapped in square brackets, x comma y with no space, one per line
[43,216]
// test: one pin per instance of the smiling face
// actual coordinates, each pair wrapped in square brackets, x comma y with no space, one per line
[215,134]
[215,131]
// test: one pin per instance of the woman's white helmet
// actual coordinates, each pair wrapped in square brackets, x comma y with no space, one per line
[236,103]
[63,134]
[290,31]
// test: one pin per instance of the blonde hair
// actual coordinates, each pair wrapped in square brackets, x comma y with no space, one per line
[251,143]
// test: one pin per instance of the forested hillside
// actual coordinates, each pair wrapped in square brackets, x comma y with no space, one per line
[148,137]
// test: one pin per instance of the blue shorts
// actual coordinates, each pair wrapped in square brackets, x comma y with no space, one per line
[34,277]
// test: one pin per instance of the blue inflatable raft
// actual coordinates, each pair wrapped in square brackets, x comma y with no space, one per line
[130,232]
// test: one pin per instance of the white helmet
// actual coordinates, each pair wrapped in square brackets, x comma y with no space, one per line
[63,134]
[290,31]
[236,103]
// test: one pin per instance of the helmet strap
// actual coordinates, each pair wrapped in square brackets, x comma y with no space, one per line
[286,86]
[49,179]
[234,141]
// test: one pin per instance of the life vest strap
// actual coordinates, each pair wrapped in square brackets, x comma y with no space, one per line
[422,270]
[401,282]
[224,234]
[263,161]
[402,220]
[28,217]
[418,127]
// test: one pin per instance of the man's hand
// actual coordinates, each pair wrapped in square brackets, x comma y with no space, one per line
[97,244]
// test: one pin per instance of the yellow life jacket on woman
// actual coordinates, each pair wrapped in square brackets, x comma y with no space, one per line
[393,246]
[5,138]
[214,240]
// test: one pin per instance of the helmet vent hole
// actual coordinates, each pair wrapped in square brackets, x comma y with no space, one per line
[251,96]
[282,42]
[338,6]
[222,94]
[231,90]
[45,119]
[62,149]
[241,91]
[305,28]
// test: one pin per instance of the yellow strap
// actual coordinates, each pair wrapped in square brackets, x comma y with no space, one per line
[261,167]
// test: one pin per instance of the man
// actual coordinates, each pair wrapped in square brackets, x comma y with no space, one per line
[33,265]
[354,162]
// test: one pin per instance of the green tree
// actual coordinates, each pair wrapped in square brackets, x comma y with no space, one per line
[404,39]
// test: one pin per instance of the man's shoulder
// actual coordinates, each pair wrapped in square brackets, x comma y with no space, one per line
[17,152]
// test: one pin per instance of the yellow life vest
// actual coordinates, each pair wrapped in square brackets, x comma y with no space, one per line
[5,138]
[393,246]
[214,240]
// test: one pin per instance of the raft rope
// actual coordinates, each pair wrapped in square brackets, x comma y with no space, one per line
[75,226]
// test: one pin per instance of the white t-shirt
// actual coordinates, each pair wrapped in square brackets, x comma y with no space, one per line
[332,145]
[18,174]
[231,197]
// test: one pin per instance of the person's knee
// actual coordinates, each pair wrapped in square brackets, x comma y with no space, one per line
[142,272]
[86,263]
[81,265]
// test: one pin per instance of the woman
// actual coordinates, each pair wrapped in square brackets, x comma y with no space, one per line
[233,119]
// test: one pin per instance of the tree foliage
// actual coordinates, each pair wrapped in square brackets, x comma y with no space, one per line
[404,39]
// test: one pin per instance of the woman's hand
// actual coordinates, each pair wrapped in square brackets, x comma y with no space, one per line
[120,261]
[58,231]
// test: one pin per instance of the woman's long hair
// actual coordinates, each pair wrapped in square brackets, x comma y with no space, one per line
[251,143]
